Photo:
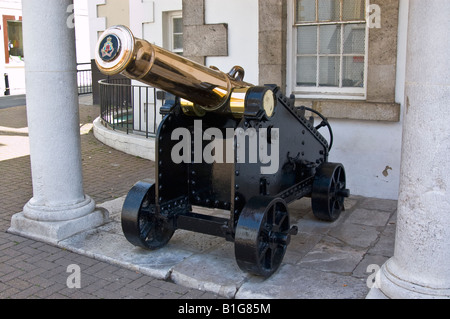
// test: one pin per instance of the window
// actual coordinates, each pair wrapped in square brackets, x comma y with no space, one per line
[176,32]
[12,31]
[330,48]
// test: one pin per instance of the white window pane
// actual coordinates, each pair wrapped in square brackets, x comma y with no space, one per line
[353,71]
[306,71]
[307,40]
[178,42]
[306,10]
[353,10]
[329,71]
[330,39]
[329,10]
[355,38]
[330,46]
[178,25]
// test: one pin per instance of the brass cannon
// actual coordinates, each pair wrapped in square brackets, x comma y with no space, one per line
[245,149]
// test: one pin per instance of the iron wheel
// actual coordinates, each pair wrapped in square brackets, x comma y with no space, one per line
[262,235]
[329,192]
[140,223]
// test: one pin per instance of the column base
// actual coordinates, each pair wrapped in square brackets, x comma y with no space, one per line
[54,232]
[376,294]
[390,286]
[59,213]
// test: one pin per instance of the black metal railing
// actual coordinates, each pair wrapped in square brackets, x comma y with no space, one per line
[84,76]
[129,108]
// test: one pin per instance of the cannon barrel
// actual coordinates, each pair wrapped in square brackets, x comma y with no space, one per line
[200,88]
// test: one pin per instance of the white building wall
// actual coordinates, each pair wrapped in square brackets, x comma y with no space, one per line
[242,20]
[96,24]
[370,151]
[82,31]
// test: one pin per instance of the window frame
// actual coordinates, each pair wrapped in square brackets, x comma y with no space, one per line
[323,92]
[171,30]
[7,18]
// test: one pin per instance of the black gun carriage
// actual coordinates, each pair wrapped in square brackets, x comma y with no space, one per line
[267,129]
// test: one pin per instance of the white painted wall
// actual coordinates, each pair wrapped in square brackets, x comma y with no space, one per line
[370,153]
[150,15]
[242,19]
[82,31]
[96,24]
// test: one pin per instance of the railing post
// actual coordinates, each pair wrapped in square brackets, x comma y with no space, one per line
[84,79]
[7,91]
[115,96]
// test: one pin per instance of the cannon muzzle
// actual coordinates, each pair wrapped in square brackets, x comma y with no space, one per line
[200,88]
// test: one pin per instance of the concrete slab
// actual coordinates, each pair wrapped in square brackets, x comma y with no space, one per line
[108,243]
[332,257]
[385,245]
[355,235]
[325,260]
[369,217]
[114,248]
[211,273]
[379,204]
[296,282]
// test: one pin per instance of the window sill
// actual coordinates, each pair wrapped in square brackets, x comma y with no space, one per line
[354,110]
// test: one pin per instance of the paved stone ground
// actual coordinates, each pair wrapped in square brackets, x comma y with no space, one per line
[324,261]
[31,269]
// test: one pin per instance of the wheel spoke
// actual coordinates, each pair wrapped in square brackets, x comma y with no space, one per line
[336,205]
[338,175]
[263,254]
[145,231]
[281,222]
[341,204]
[271,215]
[330,206]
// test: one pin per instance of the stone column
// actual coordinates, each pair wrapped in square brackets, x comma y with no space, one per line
[59,208]
[420,266]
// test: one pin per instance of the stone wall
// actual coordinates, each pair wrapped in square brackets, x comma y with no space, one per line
[272,42]
[380,104]
[202,40]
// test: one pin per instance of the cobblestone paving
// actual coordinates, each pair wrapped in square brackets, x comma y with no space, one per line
[31,269]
